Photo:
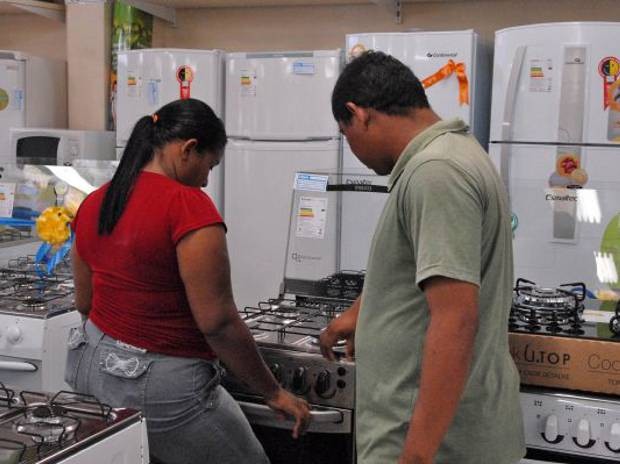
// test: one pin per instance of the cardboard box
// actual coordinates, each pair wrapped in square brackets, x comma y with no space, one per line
[588,365]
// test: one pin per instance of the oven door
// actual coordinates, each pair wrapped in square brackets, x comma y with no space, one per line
[328,440]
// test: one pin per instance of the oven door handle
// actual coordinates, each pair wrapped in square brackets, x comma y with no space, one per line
[17,366]
[329,416]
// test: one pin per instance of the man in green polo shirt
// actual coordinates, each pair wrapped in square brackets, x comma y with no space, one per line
[435,382]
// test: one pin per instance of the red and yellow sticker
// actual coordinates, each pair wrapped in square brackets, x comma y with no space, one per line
[185,76]
[4,99]
[609,70]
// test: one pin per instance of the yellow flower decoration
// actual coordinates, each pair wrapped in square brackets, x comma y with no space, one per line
[53,225]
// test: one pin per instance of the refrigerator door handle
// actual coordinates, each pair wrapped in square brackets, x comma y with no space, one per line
[509,107]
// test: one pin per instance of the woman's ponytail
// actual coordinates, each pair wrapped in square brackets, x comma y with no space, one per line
[178,120]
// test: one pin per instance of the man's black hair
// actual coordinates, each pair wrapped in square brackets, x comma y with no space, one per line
[378,81]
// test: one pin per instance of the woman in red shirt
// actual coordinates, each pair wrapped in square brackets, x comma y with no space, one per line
[152,274]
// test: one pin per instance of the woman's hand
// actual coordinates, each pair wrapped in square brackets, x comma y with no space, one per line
[287,404]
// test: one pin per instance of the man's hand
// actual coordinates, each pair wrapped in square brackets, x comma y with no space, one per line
[287,404]
[341,328]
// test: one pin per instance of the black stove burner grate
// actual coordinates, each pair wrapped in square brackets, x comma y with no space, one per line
[552,310]
[304,316]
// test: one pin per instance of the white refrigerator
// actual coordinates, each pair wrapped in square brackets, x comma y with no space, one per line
[555,138]
[457,59]
[33,93]
[279,120]
[151,78]
[458,66]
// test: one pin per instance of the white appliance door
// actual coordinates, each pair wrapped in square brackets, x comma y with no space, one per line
[360,214]
[564,234]
[550,83]
[259,191]
[12,82]
[149,79]
[426,53]
[281,96]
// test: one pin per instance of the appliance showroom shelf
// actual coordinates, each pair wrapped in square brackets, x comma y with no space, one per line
[49,10]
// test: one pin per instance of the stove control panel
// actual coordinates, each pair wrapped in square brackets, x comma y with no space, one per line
[572,423]
[21,336]
[308,375]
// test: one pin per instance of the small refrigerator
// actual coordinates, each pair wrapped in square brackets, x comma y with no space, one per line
[150,78]
[555,138]
[279,120]
[33,93]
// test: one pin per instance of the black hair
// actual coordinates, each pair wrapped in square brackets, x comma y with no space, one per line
[178,120]
[379,81]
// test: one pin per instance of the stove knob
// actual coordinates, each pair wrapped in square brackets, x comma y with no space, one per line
[276,370]
[551,433]
[584,434]
[322,387]
[298,383]
[14,335]
[614,438]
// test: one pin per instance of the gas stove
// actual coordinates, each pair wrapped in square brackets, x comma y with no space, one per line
[67,427]
[36,314]
[286,330]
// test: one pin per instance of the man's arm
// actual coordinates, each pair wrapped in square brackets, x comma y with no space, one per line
[448,350]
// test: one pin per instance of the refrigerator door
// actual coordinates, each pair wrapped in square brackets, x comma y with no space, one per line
[12,114]
[360,213]
[281,96]
[557,83]
[148,79]
[567,231]
[426,53]
[259,188]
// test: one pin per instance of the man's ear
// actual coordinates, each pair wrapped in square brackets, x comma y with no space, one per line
[187,147]
[359,113]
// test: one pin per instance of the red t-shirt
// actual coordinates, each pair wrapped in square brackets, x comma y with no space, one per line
[138,294]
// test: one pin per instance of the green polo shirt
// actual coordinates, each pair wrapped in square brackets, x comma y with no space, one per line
[446,215]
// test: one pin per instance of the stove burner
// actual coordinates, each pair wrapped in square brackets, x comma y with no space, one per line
[32,305]
[47,424]
[46,412]
[536,307]
[344,284]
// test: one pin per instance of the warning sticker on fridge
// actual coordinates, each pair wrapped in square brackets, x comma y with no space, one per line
[540,75]
[248,83]
[133,85]
[7,197]
[301,67]
[311,217]
[609,70]
[4,99]
[310,182]
[185,76]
